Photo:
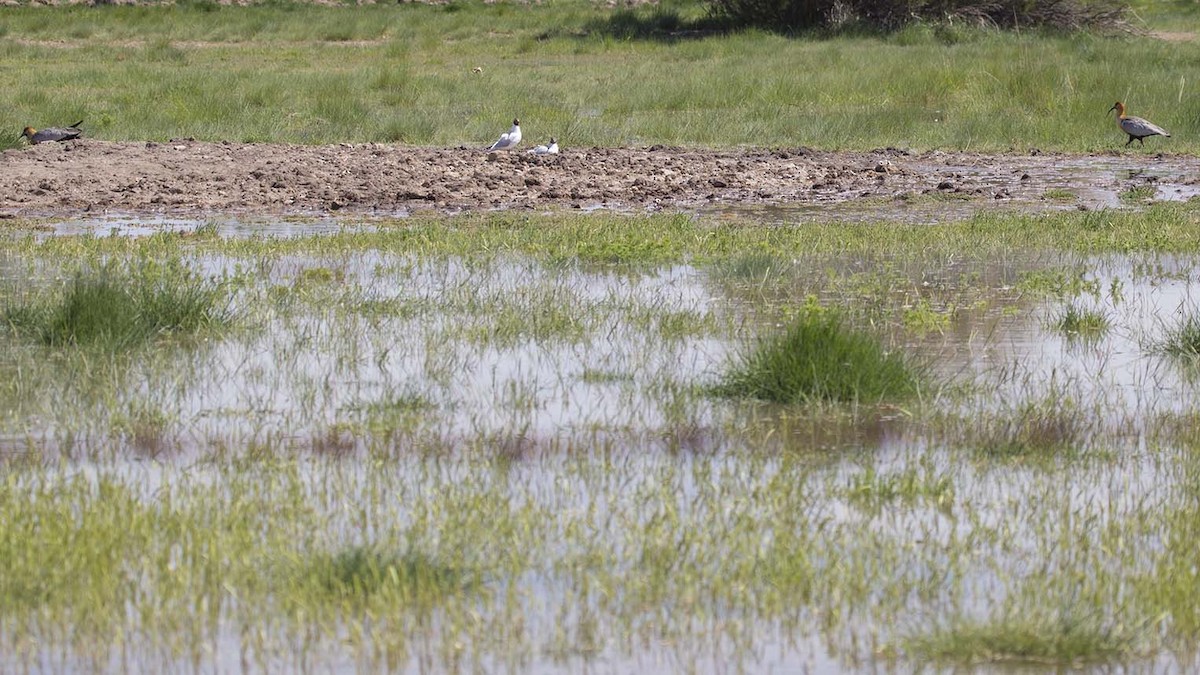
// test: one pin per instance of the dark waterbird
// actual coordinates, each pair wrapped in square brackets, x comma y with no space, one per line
[53,133]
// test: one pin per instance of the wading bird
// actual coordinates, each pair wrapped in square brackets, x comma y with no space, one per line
[1136,127]
[52,134]
[508,140]
[551,149]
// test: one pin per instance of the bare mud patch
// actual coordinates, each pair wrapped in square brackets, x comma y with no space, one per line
[185,177]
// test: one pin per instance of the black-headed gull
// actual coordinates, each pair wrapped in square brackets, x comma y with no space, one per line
[1136,127]
[509,140]
[52,134]
[551,149]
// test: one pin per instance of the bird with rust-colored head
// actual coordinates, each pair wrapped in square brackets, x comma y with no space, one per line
[52,134]
[1136,127]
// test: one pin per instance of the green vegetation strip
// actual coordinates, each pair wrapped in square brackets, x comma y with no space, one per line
[741,248]
[578,71]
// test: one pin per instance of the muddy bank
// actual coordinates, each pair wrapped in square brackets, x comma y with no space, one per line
[88,176]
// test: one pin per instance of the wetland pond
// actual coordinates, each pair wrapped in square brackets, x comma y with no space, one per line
[395,451]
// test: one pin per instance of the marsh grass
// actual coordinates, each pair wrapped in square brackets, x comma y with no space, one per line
[1068,636]
[1036,430]
[1059,195]
[1181,338]
[146,427]
[365,572]
[873,489]
[1077,321]
[1140,193]
[11,138]
[378,483]
[819,357]
[112,310]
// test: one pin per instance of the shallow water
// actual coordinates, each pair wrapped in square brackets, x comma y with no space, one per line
[1027,185]
[576,376]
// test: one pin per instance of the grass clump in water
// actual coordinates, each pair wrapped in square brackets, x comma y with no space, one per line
[1035,430]
[1060,637]
[1076,321]
[1182,339]
[114,311]
[820,358]
[362,572]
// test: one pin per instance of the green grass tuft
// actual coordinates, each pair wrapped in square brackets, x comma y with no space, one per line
[114,311]
[1062,637]
[1182,339]
[1075,321]
[820,358]
[364,571]
[1036,430]
[1138,194]
[10,138]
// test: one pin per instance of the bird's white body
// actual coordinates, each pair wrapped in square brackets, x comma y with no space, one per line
[508,140]
[551,149]
[1136,127]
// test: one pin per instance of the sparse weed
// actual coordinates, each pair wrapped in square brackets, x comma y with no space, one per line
[1059,195]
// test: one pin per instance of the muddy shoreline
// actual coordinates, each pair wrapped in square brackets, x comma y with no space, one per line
[197,178]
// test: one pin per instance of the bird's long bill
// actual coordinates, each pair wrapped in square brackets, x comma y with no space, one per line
[1111,109]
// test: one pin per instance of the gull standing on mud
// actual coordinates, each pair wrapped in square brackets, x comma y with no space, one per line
[510,139]
[53,133]
[551,149]
[1136,127]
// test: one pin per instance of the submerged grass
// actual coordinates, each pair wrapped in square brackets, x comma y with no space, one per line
[819,357]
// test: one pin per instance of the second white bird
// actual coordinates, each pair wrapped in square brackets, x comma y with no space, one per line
[509,140]
[551,149]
